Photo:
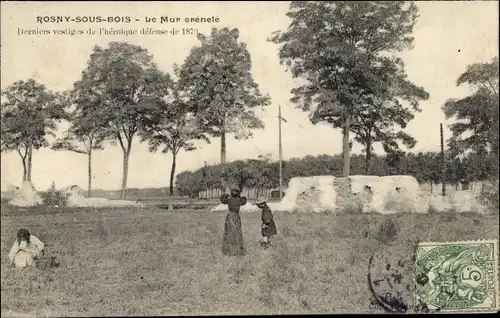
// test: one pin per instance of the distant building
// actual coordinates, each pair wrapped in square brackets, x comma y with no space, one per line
[275,194]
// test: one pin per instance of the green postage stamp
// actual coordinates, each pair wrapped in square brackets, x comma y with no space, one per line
[457,276]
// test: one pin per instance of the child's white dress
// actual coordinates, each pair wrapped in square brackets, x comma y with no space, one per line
[23,254]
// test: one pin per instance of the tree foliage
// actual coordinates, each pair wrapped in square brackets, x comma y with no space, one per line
[476,116]
[254,174]
[173,129]
[385,118]
[84,135]
[475,127]
[337,47]
[30,113]
[120,81]
[220,88]
[251,174]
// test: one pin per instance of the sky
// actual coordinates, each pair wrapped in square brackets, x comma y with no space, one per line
[448,37]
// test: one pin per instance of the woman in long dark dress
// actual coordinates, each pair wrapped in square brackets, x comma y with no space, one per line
[232,242]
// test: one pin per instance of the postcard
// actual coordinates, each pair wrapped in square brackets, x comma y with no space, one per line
[248,158]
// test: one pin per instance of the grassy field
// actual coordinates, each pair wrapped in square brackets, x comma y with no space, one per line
[157,262]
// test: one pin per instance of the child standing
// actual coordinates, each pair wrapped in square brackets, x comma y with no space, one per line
[268,227]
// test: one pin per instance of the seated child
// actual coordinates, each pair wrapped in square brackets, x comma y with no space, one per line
[268,227]
[26,249]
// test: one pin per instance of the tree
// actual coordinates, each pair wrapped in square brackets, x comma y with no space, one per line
[84,135]
[455,172]
[377,122]
[30,114]
[337,48]
[239,173]
[121,80]
[477,168]
[221,91]
[477,114]
[188,184]
[265,173]
[212,177]
[173,129]
[417,166]
[251,173]
[432,168]
[393,161]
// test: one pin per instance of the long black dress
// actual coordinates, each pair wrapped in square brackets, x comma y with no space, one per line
[232,242]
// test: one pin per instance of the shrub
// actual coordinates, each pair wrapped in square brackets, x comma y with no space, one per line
[54,197]
[387,231]
[490,196]
[355,208]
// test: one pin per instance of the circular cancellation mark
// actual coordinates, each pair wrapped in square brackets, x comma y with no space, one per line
[391,283]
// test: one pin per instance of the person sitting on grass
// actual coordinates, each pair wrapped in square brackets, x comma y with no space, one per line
[26,249]
[268,227]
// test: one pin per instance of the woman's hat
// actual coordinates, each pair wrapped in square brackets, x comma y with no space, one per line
[235,190]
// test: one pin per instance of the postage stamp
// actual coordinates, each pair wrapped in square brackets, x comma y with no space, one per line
[457,276]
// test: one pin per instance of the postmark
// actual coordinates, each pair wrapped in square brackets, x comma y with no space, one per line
[391,283]
[458,276]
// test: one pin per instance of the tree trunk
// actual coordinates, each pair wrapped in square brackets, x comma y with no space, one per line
[25,169]
[30,160]
[345,146]
[126,156]
[172,173]
[90,172]
[223,154]
[368,157]
[223,147]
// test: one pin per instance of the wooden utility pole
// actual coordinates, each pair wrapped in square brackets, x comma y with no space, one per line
[443,166]
[280,151]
